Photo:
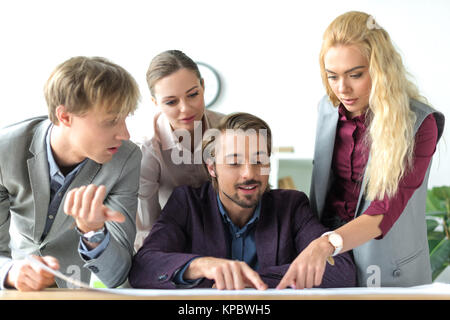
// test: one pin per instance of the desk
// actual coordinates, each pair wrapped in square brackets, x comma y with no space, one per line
[432,292]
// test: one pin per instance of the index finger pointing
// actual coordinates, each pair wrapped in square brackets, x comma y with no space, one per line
[253,277]
[287,279]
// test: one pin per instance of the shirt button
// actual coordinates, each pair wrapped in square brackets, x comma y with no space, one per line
[397,273]
[94,269]
[163,277]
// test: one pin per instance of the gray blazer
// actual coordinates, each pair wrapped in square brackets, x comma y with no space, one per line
[401,258]
[24,201]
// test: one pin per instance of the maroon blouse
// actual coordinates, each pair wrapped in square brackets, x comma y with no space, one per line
[350,158]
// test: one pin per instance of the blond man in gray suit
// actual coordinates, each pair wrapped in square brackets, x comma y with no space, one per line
[69,183]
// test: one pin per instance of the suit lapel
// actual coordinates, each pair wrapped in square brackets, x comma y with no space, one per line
[326,134]
[39,178]
[40,186]
[266,234]
[213,230]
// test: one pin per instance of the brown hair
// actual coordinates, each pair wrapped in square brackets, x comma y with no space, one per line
[235,121]
[81,83]
[166,63]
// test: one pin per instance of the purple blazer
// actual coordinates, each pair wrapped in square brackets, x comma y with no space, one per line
[190,225]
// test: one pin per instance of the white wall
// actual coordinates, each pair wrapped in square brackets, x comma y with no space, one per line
[265,51]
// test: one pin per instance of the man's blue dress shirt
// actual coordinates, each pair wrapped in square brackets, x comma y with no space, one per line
[241,242]
[58,188]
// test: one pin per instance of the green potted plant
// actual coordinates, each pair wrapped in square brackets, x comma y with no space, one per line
[438,222]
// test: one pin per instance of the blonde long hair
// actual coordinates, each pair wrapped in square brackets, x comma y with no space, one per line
[390,132]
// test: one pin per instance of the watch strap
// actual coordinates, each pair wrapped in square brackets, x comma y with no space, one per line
[89,236]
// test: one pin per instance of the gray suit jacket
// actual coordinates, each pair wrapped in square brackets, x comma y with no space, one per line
[24,201]
[401,258]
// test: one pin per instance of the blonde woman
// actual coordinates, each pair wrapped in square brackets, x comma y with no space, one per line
[172,157]
[374,143]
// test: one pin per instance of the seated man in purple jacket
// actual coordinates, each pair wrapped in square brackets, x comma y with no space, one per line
[234,232]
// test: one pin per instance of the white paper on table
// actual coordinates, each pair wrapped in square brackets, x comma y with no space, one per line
[58,274]
[431,289]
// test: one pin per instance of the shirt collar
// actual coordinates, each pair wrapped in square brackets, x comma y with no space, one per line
[164,132]
[226,217]
[53,167]
[343,115]
[54,170]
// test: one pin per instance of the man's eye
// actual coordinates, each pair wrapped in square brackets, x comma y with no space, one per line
[192,95]
[112,122]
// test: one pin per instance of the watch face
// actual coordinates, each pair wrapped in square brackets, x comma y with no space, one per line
[95,237]
[335,239]
[212,83]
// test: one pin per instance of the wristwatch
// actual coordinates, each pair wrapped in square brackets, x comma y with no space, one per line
[336,241]
[93,236]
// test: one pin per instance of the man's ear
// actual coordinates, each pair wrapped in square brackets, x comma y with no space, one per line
[211,169]
[64,117]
